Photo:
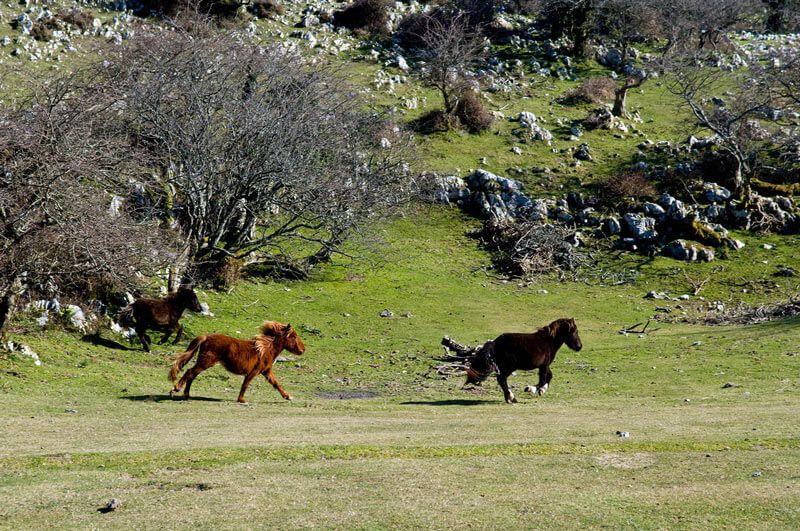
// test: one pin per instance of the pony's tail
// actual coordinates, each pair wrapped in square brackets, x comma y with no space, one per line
[184,358]
[125,317]
[481,365]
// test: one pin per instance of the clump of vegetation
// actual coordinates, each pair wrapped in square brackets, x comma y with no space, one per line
[435,121]
[472,113]
[626,186]
[531,249]
[368,15]
[266,8]
[77,17]
[592,90]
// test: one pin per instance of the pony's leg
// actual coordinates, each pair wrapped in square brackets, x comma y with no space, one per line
[165,337]
[203,362]
[270,376]
[547,381]
[541,387]
[502,379]
[178,335]
[144,339]
[247,379]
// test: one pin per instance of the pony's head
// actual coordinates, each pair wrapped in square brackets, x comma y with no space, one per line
[567,331]
[188,298]
[481,365]
[291,340]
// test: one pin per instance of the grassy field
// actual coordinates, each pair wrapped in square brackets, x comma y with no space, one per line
[94,422]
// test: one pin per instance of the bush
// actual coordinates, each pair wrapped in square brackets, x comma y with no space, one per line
[592,90]
[627,185]
[472,113]
[265,8]
[41,32]
[436,121]
[77,17]
[411,30]
[369,15]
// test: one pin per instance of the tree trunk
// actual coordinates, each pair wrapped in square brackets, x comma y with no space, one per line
[620,102]
[8,303]
[741,183]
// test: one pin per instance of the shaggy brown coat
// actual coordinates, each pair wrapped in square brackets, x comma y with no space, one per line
[159,314]
[249,357]
[511,351]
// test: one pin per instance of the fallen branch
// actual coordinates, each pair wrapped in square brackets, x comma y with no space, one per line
[633,328]
[456,358]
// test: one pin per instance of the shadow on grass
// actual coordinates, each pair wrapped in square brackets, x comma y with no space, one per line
[98,341]
[452,402]
[168,398]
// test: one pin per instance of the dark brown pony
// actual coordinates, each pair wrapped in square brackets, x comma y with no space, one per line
[159,314]
[249,357]
[511,352]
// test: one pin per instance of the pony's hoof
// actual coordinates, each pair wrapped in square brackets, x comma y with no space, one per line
[512,399]
[288,397]
[542,390]
[531,389]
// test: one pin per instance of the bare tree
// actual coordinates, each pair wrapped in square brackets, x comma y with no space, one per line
[253,150]
[64,170]
[782,15]
[734,120]
[450,48]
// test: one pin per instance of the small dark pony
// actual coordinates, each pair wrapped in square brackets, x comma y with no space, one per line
[511,352]
[249,357]
[159,314]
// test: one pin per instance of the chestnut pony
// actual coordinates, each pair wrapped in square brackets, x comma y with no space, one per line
[249,357]
[159,314]
[511,352]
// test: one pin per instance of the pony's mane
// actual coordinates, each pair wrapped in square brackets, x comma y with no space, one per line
[552,328]
[272,328]
[263,345]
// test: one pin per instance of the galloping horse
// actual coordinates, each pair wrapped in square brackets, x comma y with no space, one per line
[249,357]
[511,352]
[159,314]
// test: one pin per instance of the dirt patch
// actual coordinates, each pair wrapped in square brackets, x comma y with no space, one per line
[626,461]
[347,395]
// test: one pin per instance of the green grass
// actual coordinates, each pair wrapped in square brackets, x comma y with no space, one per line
[94,422]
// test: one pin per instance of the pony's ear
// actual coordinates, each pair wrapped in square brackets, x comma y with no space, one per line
[287,328]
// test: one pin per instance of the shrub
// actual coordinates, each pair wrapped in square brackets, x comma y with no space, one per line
[77,17]
[265,8]
[369,15]
[472,113]
[436,121]
[627,185]
[592,90]
[41,32]
[411,30]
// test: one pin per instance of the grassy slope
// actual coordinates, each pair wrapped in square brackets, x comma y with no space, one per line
[423,452]
[93,422]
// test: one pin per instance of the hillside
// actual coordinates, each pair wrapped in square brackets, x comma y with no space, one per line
[690,423]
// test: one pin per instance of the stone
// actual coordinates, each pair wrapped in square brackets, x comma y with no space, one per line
[654,210]
[583,153]
[680,250]
[76,316]
[387,313]
[112,505]
[402,64]
[706,254]
[642,228]
[612,226]
[658,295]
[716,193]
